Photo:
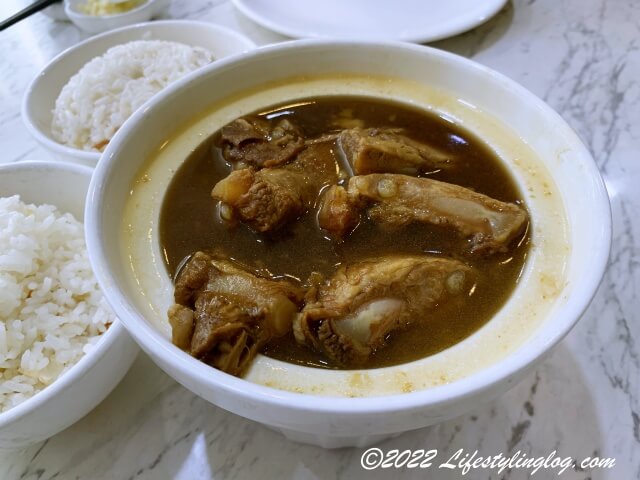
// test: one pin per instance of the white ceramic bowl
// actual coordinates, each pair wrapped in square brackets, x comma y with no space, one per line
[559,180]
[56,12]
[102,23]
[40,97]
[86,384]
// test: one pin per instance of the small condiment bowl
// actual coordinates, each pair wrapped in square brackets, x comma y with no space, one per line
[40,98]
[88,382]
[102,23]
[559,181]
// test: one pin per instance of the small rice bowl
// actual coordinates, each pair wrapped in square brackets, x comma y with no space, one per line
[51,309]
[108,89]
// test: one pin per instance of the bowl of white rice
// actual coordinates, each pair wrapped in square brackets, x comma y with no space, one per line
[61,348]
[84,95]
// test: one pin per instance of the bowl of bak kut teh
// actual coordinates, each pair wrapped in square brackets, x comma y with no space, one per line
[347,240]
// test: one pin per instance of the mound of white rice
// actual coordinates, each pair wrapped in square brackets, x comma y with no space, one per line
[107,90]
[51,308]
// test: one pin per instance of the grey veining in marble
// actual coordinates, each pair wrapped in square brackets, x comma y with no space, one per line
[582,57]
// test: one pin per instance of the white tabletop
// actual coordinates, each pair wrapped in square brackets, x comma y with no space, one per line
[582,57]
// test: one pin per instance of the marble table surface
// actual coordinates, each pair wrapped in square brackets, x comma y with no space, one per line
[582,57]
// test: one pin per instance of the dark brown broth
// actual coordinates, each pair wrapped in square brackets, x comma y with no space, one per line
[189,222]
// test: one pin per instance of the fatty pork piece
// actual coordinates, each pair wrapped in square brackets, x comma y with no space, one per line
[269,198]
[386,150]
[254,141]
[348,317]
[224,313]
[338,213]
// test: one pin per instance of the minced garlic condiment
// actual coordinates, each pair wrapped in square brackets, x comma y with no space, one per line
[108,7]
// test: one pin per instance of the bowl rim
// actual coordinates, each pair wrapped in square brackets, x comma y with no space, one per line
[114,333]
[93,157]
[522,358]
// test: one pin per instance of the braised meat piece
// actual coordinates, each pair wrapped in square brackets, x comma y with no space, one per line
[398,200]
[269,198]
[348,317]
[253,141]
[181,321]
[337,214]
[265,200]
[386,150]
[224,313]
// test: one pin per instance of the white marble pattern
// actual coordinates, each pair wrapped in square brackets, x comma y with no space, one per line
[582,57]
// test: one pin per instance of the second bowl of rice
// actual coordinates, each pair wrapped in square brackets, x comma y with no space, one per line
[85,94]
[61,348]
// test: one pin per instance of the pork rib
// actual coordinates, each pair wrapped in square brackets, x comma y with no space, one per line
[348,317]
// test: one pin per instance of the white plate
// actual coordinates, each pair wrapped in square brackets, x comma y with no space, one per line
[408,20]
